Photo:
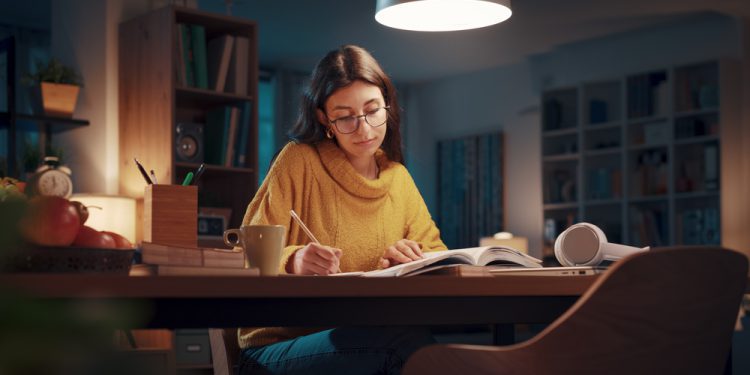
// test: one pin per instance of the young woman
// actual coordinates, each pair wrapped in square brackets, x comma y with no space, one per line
[343,176]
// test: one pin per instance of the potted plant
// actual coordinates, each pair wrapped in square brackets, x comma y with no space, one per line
[56,85]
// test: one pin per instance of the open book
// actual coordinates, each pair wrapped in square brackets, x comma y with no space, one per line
[477,256]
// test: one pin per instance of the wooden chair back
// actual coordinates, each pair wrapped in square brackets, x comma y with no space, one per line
[225,350]
[669,310]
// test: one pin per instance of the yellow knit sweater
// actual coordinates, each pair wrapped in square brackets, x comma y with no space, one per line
[342,208]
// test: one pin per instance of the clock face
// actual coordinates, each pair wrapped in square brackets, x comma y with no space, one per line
[55,182]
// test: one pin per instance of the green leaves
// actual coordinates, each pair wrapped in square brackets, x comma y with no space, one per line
[55,72]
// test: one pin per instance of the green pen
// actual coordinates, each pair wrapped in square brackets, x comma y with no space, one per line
[188,179]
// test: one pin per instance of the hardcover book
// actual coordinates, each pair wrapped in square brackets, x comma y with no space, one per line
[170,270]
[169,255]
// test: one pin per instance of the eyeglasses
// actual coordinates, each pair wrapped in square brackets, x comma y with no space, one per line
[350,124]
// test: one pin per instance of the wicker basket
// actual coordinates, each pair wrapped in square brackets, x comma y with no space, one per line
[71,260]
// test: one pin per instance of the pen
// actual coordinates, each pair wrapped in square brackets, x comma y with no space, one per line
[198,173]
[153,176]
[306,230]
[143,172]
[303,226]
[188,178]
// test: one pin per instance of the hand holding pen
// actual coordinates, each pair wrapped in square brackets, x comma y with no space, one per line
[314,259]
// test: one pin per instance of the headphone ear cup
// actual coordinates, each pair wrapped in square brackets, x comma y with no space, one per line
[580,245]
[559,255]
[585,244]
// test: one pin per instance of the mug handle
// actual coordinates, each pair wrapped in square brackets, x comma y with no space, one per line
[229,242]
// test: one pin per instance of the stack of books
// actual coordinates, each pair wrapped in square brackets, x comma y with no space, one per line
[168,260]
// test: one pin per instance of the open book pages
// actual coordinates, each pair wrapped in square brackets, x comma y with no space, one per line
[477,256]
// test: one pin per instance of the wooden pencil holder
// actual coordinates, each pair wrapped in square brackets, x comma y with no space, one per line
[170,215]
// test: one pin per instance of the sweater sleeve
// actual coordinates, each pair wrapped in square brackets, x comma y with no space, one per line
[420,226]
[274,199]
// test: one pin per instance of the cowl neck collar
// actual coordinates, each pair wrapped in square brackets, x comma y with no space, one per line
[341,170]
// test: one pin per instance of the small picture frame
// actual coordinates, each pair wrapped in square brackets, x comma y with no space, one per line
[212,222]
[211,227]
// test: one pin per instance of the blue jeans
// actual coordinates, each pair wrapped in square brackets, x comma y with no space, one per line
[344,350]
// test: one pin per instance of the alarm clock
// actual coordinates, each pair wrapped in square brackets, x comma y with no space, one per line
[51,179]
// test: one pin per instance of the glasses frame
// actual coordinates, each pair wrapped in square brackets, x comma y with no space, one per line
[359,119]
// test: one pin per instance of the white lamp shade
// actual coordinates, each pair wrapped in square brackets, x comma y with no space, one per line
[117,214]
[441,15]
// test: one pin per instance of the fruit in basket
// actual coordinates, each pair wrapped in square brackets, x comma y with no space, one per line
[11,188]
[50,221]
[90,237]
[83,211]
[120,241]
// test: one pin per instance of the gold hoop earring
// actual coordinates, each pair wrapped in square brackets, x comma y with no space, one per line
[329,133]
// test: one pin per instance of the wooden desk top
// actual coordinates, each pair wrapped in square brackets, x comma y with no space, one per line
[284,300]
[100,286]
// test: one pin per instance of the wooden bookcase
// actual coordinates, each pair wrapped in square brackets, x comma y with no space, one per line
[152,102]
[640,155]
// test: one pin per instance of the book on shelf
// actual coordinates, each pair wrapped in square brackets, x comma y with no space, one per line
[170,255]
[198,40]
[711,167]
[187,54]
[229,146]
[475,256]
[238,66]
[171,270]
[216,133]
[241,146]
[180,78]
[219,53]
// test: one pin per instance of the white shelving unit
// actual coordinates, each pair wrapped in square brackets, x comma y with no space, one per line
[637,155]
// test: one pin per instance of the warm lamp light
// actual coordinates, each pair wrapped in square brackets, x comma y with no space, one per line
[117,213]
[506,239]
[441,15]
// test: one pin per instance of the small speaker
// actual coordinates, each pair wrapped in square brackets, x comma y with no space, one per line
[188,143]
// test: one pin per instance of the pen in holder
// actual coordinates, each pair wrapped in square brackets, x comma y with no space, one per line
[170,215]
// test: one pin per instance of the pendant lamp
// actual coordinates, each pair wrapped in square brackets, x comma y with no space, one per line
[441,15]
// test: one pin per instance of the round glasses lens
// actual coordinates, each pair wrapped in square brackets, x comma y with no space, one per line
[347,124]
[377,117]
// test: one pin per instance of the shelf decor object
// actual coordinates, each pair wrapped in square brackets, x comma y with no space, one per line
[56,88]
[47,125]
[441,15]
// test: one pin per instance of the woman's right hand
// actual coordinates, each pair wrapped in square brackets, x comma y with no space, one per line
[315,259]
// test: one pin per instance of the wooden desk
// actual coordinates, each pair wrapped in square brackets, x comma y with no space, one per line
[199,302]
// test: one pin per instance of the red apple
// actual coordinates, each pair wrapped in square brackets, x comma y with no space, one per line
[122,242]
[50,221]
[90,237]
[83,211]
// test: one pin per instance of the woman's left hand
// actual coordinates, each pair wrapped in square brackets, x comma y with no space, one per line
[403,251]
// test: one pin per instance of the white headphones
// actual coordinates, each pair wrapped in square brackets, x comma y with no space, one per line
[584,244]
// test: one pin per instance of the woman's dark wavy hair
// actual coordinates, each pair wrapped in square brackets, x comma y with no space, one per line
[340,68]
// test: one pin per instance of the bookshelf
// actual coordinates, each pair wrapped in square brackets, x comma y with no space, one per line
[157,52]
[639,155]
[9,117]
